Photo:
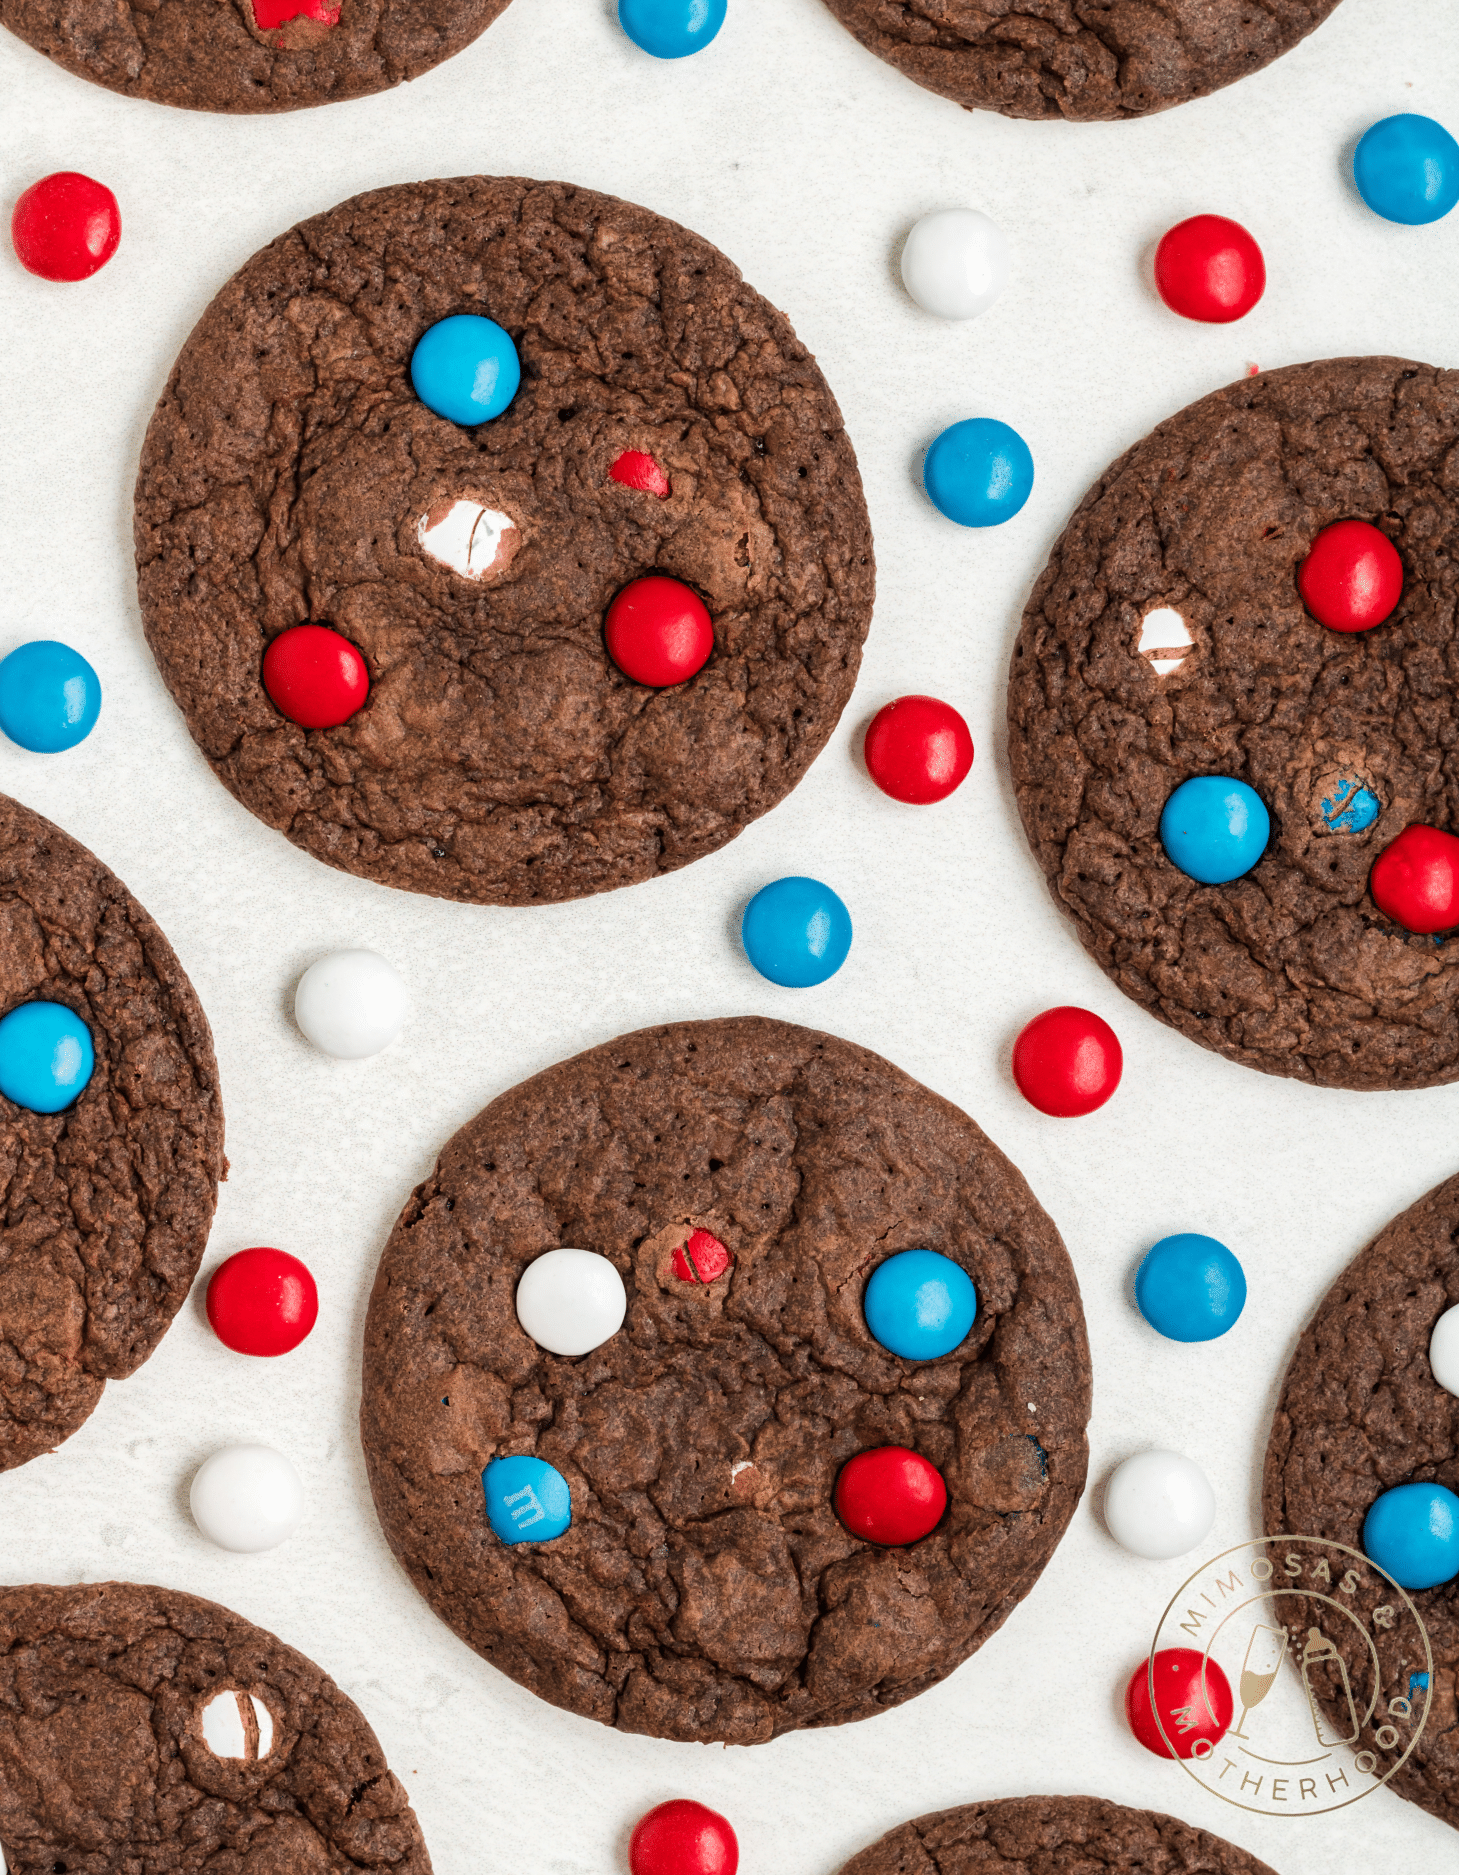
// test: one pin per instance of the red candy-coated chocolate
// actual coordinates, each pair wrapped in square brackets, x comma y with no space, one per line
[702,1259]
[658,631]
[636,470]
[66,227]
[1209,268]
[315,677]
[1067,1061]
[267,14]
[1415,880]
[682,1837]
[890,1495]
[1195,1714]
[1352,577]
[918,749]
[262,1302]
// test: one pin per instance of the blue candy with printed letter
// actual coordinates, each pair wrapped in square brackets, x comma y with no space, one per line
[46,1057]
[796,932]
[671,29]
[979,472]
[1214,828]
[1412,1532]
[1190,1288]
[527,1500]
[1407,169]
[466,368]
[920,1304]
[50,697]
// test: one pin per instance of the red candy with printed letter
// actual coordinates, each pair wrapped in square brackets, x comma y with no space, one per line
[682,1837]
[262,1301]
[1415,880]
[891,1495]
[1209,268]
[1067,1062]
[1352,577]
[918,750]
[315,677]
[658,631]
[66,227]
[1195,1712]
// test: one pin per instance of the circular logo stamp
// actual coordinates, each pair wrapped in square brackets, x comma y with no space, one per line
[1328,1668]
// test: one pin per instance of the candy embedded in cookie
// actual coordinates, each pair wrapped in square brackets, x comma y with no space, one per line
[1415,880]
[46,1057]
[1352,578]
[473,540]
[268,15]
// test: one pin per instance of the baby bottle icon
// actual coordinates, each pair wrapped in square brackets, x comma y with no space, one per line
[1264,1653]
[1320,1651]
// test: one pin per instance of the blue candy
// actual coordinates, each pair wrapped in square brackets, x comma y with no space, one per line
[796,932]
[50,697]
[466,368]
[1412,1533]
[46,1057]
[527,1500]
[1215,829]
[1350,807]
[1407,169]
[920,1305]
[979,472]
[671,29]
[1190,1288]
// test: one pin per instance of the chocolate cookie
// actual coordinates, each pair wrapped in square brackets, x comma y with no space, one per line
[1051,1836]
[140,1728]
[248,55]
[1166,639]
[291,474]
[108,1203]
[705,1588]
[1361,1412]
[1089,59]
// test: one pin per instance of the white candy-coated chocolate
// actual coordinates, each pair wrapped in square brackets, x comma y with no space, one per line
[472,540]
[1164,630]
[1444,1351]
[351,1004]
[247,1498]
[224,1731]
[955,263]
[1159,1505]
[571,1301]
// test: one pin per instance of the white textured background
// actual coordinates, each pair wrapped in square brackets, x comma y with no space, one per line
[806,161]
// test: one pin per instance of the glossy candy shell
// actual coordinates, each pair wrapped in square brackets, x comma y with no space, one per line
[262,1302]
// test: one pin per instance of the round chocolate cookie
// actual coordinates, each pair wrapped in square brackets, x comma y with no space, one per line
[744,1178]
[1361,1412]
[291,474]
[1167,639]
[248,55]
[108,1203]
[1070,58]
[1051,1836]
[141,1728]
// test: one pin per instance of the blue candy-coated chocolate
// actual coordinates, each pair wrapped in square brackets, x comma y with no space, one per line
[1350,807]
[50,697]
[979,472]
[466,368]
[1407,169]
[1412,1533]
[1214,828]
[796,932]
[1190,1287]
[46,1057]
[920,1304]
[527,1500]
[671,29]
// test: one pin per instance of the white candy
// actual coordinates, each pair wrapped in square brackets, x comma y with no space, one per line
[1158,1504]
[472,540]
[351,1004]
[224,1731]
[1444,1350]
[571,1301]
[247,1498]
[955,263]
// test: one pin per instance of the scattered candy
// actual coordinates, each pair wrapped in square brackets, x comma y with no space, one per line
[890,1495]
[262,1301]
[1158,1505]
[634,469]
[50,697]
[979,472]
[1352,577]
[955,263]
[1209,268]
[1350,807]
[473,540]
[1190,1288]
[66,227]
[1444,1351]
[247,1498]
[1412,1533]
[1067,1061]
[315,677]
[682,1838]
[671,29]
[527,1500]
[918,750]
[1214,828]
[1407,169]
[269,14]
[703,1259]
[920,1304]
[1415,880]
[466,368]
[658,631]
[571,1301]
[46,1057]
[796,932]
[351,1004]
[1192,1698]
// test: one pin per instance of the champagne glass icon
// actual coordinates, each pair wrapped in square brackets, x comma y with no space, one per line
[1264,1652]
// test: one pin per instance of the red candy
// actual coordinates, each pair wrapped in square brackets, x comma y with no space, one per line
[1415,881]
[1194,1714]
[682,1837]
[890,1495]
[1068,1061]
[918,750]
[658,631]
[636,470]
[702,1259]
[1209,268]
[262,1302]
[66,227]
[1352,578]
[315,677]
[267,14]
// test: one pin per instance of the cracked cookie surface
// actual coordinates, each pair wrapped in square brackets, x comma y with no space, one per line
[706,1589]
[1197,533]
[501,757]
